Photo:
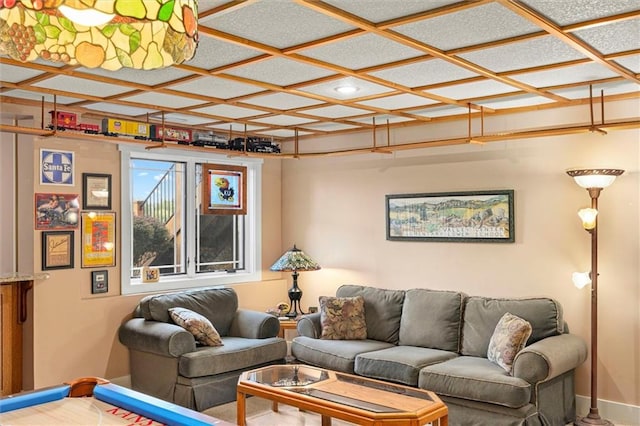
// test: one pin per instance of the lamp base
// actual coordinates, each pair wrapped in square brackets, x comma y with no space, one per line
[591,420]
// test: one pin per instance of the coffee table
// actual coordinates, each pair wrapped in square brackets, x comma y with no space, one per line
[343,396]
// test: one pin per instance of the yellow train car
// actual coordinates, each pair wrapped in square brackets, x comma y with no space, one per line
[117,127]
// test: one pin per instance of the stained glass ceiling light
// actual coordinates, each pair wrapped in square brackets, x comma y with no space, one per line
[140,34]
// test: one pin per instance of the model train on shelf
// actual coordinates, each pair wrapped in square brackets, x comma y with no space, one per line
[155,132]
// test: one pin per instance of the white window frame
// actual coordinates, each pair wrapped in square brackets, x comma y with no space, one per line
[253,232]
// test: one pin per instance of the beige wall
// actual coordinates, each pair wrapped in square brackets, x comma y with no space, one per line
[335,211]
[70,332]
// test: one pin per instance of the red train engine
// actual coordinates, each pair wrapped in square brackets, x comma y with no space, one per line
[69,121]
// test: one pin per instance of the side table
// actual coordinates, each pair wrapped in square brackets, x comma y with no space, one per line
[286,325]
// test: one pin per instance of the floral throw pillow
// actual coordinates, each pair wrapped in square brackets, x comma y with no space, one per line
[509,337]
[201,328]
[342,318]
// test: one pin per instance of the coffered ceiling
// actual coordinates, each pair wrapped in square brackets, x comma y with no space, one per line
[273,67]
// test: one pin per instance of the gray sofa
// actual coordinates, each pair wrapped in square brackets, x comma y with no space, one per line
[167,363]
[438,340]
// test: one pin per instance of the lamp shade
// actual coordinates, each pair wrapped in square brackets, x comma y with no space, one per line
[581,279]
[295,260]
[594,178]
[140,34]
[588,217]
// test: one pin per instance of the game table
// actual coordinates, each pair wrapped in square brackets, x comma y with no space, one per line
[89,401]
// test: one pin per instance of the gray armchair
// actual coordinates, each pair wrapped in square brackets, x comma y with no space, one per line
[167,362]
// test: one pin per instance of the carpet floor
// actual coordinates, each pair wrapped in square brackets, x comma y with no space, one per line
[259,413]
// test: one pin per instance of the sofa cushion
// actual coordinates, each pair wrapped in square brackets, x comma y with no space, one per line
[476,379]
[236,354]
[216,304]
[481,314]
[508,339]
[337,356]
[432,319]
[342,318]
[201,328]
[400,364]
[382,310]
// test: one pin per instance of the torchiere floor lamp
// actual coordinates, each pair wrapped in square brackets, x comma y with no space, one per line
[295,260]
[594,180]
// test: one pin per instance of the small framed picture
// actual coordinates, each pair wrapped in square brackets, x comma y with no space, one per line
[57,250]
[224,189]
[150,274]
[96,191]
[99,281]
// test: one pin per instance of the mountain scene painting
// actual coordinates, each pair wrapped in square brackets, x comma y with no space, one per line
[478,216]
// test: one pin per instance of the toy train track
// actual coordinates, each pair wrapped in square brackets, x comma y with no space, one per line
[64,121]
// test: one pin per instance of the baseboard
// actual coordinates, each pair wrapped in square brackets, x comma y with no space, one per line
[616,412]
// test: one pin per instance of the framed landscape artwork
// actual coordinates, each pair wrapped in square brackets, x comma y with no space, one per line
[477,216]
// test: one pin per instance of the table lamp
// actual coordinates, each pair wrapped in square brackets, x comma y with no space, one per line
[295,260]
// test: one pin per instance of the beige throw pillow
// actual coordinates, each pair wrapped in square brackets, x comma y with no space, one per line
[201,328]
[342,318]
[509,337]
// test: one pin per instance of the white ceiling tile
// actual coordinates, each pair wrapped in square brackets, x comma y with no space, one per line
[13,74]
[283,120]
[283,133]
[612,38]
[393,102]
[256,22]
[475,25]
[381,119]
[229,111]
[178,118]
[80,85]
[27,94]
[328,88]
[282,101]
[330,127]
[236,128]
[513,101]
[213,53]
[119,109]
[215,87]
[473,90]
[280,71]
[566,75]
[380,10]
[613,88]
[568,12]
[355,52]
[424,73]
[442,111]
[336,111]
[525,54]
[630,62]
[146,77]
[163,100]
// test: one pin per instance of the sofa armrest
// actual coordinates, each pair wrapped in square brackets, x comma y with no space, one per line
[254,325]
[156,337]
[310,326]
[549,358]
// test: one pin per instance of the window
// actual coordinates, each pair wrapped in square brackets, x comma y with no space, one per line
[167,241]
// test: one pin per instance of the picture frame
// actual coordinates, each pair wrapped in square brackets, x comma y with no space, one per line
[98,239]
[57,250]
[99,281]
[150,274]
[472,216]
[57,167]
[96,191]
[224,189]
[56,211]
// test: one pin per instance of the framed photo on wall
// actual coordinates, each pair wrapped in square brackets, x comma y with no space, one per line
[224,189]
[99,281]
[56,211]
[476,216]
[98,239]
[57,250]
[96,191]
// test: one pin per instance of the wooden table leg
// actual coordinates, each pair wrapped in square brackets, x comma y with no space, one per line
[241,407]
[444,420]
[326,420]
[274,406]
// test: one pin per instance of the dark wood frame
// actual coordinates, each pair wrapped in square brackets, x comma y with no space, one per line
[62,237]
[237,173]
[98,285]
[464,220]
[88,197]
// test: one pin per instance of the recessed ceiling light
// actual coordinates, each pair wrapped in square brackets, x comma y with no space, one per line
[346,90]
